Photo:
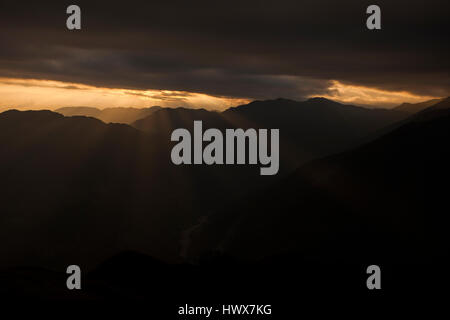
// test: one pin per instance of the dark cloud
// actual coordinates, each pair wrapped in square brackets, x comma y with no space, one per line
[255,49]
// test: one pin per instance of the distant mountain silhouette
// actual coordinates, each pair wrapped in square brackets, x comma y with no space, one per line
[82,190]
[438,109]
[384,201]
[77,190]
[164,121]
[79,111]
[114,115]
[416,107]
[310,129]
[67,184]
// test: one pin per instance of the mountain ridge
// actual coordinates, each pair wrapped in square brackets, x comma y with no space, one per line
[383,200]
[125,115]
[309,129]
[417,107]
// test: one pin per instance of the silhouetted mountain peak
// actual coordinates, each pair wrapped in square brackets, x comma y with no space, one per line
[165,120]
[442,104]
[35,115]
[36,119]
[176,112]
[284,100]
[110,115]
[440,109]
[282,105]
[184,109]
[416,107]
[321,100]
[265,105]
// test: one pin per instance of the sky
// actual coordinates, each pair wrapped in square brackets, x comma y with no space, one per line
[217,54]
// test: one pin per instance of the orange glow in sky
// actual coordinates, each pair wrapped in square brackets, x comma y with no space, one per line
[359,95]
[49,94]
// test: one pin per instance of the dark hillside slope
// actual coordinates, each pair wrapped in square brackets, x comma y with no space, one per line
[77,189]
[387,200]
[309,129]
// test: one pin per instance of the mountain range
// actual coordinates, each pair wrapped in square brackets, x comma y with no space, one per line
[115,115]
[385,201]
[83,190]
[313,128]
[416,107]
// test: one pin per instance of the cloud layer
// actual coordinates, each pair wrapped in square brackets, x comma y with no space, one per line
[243,49]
